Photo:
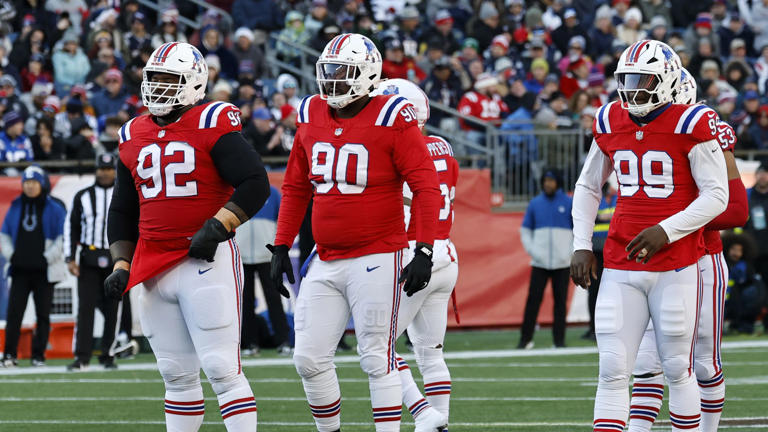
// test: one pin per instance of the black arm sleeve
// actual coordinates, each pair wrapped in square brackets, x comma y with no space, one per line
[73,223]
[123,218]
[239,165]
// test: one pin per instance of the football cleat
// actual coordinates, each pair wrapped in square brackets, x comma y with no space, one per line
[430,420]
[10,362]
[127,349]
[36,362]
[77,366]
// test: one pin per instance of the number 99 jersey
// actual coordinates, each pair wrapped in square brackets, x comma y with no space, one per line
[653,169]
[178,184]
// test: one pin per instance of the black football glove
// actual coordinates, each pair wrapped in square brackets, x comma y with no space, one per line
[115,284]
[281,263]
[207,239]
[417,273]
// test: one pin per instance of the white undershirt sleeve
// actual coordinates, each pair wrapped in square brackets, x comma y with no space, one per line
[587,194]
[711,176]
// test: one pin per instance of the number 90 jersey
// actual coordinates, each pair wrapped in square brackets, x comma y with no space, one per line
[654,174]
[178,184]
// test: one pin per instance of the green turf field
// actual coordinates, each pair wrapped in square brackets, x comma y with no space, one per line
[494,388]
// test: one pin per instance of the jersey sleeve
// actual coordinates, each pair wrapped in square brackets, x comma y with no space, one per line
[297,191]
[699,122]
[726,136]
[413,162]
[218,119]
[124,134]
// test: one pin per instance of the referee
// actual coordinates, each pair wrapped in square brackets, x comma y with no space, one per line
[86,226]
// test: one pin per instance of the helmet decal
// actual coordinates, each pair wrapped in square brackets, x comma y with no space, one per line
[163,52]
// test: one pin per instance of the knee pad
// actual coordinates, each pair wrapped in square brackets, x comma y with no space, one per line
[307,367]
[676,368]
[176,377]
[647,363]
[613,365]
[221,372]
[704,369]
[374,364]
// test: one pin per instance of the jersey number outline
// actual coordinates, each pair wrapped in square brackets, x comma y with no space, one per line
[657,185]
[325,157]
[172,169]
[448,193]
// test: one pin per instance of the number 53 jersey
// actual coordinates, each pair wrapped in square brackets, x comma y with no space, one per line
[653,165]
[176,179]
[356,168]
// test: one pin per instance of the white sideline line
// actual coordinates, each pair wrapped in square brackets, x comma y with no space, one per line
[591,380]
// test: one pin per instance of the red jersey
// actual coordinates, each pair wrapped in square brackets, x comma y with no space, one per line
[447,175]
[727,139]
[177,182]
[391,70]
[654,176]
[356,168]
[481,106]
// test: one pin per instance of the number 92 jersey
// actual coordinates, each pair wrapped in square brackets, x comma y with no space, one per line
[177,182]
[653,170]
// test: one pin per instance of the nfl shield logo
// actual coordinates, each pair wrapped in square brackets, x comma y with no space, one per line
[639,135]
[161,134]
[338,131]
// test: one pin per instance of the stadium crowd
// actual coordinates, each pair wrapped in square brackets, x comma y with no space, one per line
[70,70]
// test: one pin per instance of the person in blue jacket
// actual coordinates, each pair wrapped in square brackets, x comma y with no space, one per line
[547,235]
[31,240]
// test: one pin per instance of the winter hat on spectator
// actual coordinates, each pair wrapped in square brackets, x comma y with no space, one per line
[106,160]
[79,124]
[11,118]
[443,17]
[285,80]
[222,85]
[170,15]
[7,81]
[488,10]
[140,17]
[502,64]
[34,172]
[589,111]
[709,65]
[751,95]
[576,63]
[703,19]
[570,13]
[42,87]
[261,114]
[540,63]
[293,16]
[52,104]
[320,3]
[537,43]
[485,80]
[213,62]
[633,14]
[37,57]
[286,111]
[114,74]
[501,41]
[658,21]
[533,17]
[244,32]
[738,43]
[615,2]
[409,12]
[471,42]
[577,41]
[69,36]
[618,46]
[79,91]
[551,78]
[105,15]
[509,3]
[393,44]
[603,11]
[75,106]
[443,62]
[595,78]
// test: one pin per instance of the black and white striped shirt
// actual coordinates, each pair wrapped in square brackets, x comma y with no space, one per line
[86,223]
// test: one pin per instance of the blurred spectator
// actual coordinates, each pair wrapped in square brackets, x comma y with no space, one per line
[397,65]
[248,54]
[656,8]
[499,49]
[746,116]
[261,15]
[14,145]
[111,98]
[658,28]
[27,45]
[483,103]
[221,92]
[575,51]
[555,114]
[737,72]
[169,29]
[485,25]
[317,17]
[685,12]
[563,35]
[346,16]
[735,28]
[469,51]
[461,10]
[578,102]
[108,139]
[287,85]
[288,123]
[552,17]
[619,9]
[81,144]
[538,73]
[758,131]
[576,78]
[514,14]
[294,33]
[443,33]
[262,133]
[443,85]
[703,54]
[34,102]
[746,292]
[325,35]
[63,126]
[212,42]
[757,224]
[34,71]
[702,30]
[630,31]
[761,67]
[70,64]
[9,99]
[214,71]
[546,228]
[31,241]
[74,10]
[44,145]
[756,15]
[138,38]
[602,34]
[522,144]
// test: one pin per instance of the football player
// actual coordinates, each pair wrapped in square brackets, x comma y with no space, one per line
[648,385]
[353,151]
[424,313]
[667,158]
[186,179]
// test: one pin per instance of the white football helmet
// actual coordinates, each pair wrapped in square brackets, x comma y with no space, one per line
[349,61]
[686,93]
[410,91]
[180,59]
[648,75]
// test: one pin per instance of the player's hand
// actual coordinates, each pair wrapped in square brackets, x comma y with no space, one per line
[115,284]
[207,239]
[73,268]
[647,243]
[583,267]
[281,263]
[417,273]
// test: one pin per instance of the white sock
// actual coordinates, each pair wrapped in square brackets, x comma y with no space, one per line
[324,397]
[387,401]
[184,410]
[238,407]
[684,404]
[437,378]
[712,401]
[647,395]
[611,402]
[412,397]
